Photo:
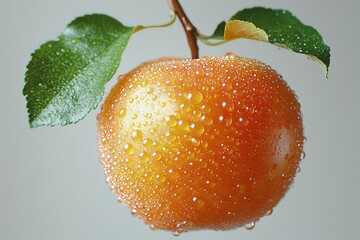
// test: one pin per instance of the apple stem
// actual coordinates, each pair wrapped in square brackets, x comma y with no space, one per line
[190,30]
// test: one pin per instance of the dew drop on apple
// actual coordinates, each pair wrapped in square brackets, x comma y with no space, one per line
[230,56]
[171,137]
[122,112]
[156,155]
[147,142]
[199,203]
[107,179]
[228,122]
[137,136]
[120,200]
[184,125]
[170,121]
[195,142]
[195,97]
[208,121]
[134,116]
[133,211]
[269,212]
[183,226]
[144,156]
[250,226]
[197,128]
[153,227]
[230,106]
[185,108]
[129,149]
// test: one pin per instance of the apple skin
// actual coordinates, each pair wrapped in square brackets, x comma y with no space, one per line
[209,143]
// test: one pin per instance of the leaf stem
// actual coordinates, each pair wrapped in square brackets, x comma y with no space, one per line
[172,20]
[189,28]
[205,40]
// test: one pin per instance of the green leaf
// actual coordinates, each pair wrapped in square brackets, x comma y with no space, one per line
[66,77]
[282,29]
[219,31]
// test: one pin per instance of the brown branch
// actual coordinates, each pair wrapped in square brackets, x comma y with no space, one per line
[189,29]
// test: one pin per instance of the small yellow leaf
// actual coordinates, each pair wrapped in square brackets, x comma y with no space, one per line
[241,29]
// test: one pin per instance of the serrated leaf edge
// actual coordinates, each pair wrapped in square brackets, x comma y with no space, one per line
[321,64]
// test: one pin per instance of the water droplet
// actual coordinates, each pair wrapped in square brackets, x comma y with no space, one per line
[120,77]
[203,164]
[144,83]
[209,74]
[195,142]
[171,94]
[199,203]
[122,112]
[163,104]
[185,108]
[120,200]
[183,226]
[149,90]
[208,121]
[200,73]
[170,137]
[228,121]
[228,86]
[188,28]
[230,56]
[230,106]
[184,125]
[156,156]
[250,226]
[134,116]
[147,142]
[171,121]
[198,129]
[269,212]
[195,97]
[302,155]
[205,145]
[153,227]
[133,211]
[137,136]
[129,149]
[107,179]
[206,109]
[144,157]
[244,121]
[176,234]
[197,113]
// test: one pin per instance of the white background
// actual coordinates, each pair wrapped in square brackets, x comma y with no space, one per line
[52,185]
